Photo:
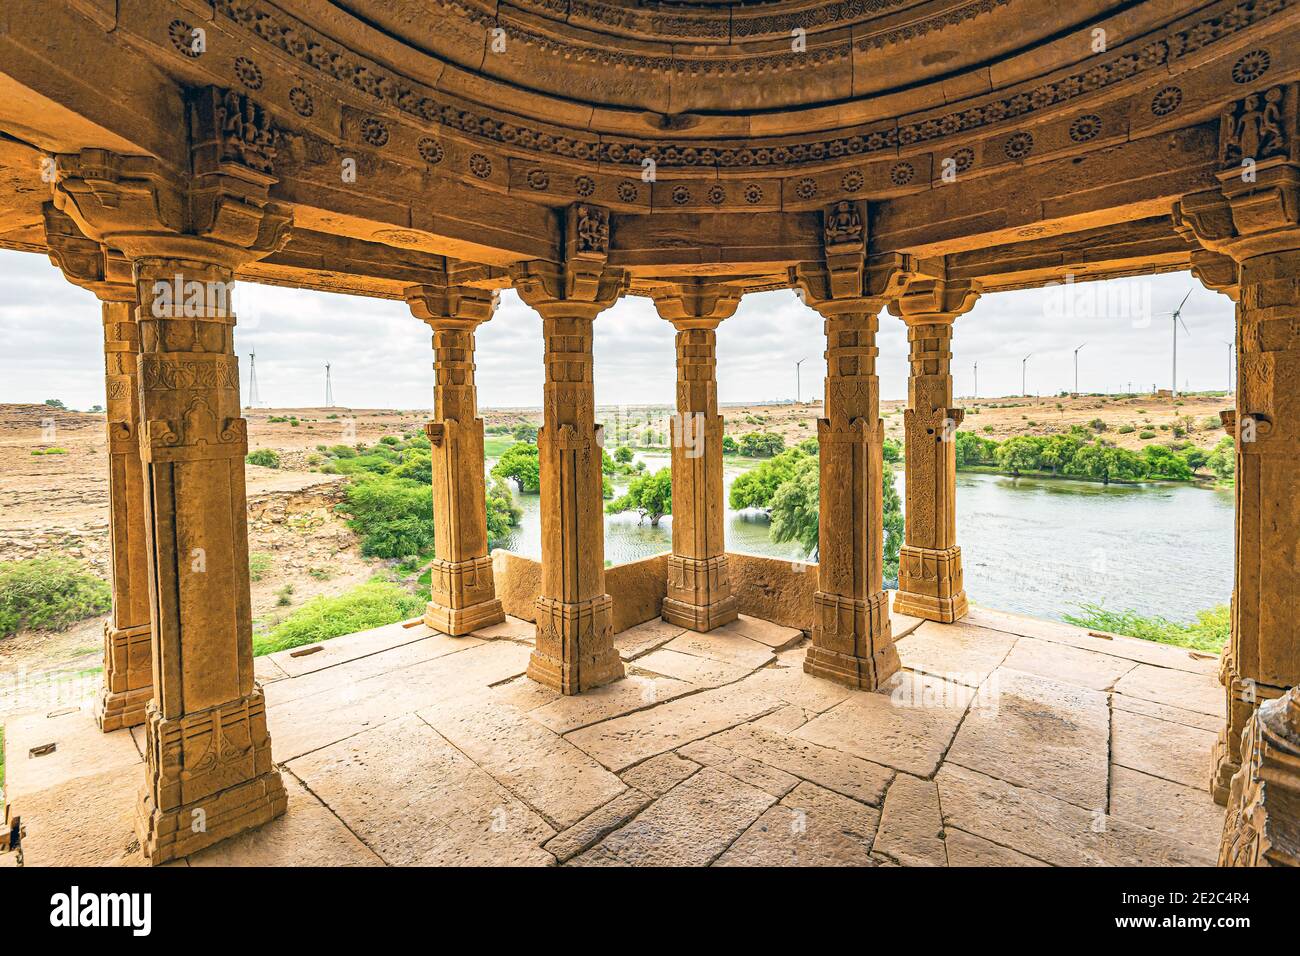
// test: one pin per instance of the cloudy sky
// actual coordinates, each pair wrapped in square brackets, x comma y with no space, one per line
[381,355]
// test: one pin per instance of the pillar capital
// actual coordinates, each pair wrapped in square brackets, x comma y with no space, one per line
[1216,272]
[937,301]
[874,283]
[696,303]
[84,262]
[446,301]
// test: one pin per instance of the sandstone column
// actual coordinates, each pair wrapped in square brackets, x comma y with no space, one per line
[463,595]
[852,641]
[128,672]
[575,640]
[929,563]
[209,771]
[699,586]
[1253,218]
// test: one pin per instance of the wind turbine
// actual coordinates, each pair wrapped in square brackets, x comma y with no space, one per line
[1177,316]
[1232,350]
[976,367]
[1076,369]
[796,378]
[1023,363]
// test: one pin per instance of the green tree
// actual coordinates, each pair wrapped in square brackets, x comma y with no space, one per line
[1223,460]
[623,455]
[1108,463]
[729,446]
[525,431]
[1022,453]
[1164,462]
[650,495]
[56,403]
[502,512]
[893,450]
[755,488]
[1059,451]
[761,444]
[520,463]
[393,516]
[417,465]
[974,449]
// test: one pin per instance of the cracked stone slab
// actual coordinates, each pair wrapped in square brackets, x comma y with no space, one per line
[1175,715]
[725,647]
[907,724]
[339,650]
[418,801]
[785,679]
[811,826]
[1171,751]
[1052,830]
[659,774]
[776,636]
[1174,688]
[1183,812]
[1072,665]
[81,749]
[956,652]
[511,629]
[700,671]
[1044,734]
[307,835]
[831,769]
[967,849]
[911,824]
[536,764]
[597,824]
[627,740]
[644,638]
[632,693]
[267,671]
[785,720]
[691,825]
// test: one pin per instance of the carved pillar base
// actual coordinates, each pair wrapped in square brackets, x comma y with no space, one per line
[852,641]
[1262,825]
[694,586]
[210,777]
[575,645]
[128,677]
[464,597]
[1226,755]
[930,584]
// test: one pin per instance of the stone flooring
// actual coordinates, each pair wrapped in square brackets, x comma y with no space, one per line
[1005,741]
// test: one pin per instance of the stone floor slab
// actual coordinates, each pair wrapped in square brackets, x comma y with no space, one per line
[956,652]
[691,825]
[658,775]
[511,629]
[1185,813]
[632,693]
[844,773]
[84,820]
[1044,734]
[597,824]
[786,680]
[415,799]
[911,823]
[1198,692]
[337,650]
[1170,751]
[1073,665]
[1175,715]
[1052,830]
[550,774]
[776,636]
[700,671]
[80,749]
[624,741]
[644,638]
[966,849]
[725,647]
[907,725]
[811,826]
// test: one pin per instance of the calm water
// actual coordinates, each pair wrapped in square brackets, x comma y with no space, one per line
[1034,546]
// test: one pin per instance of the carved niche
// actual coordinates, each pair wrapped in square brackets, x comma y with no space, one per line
[1259,127]
[230,127]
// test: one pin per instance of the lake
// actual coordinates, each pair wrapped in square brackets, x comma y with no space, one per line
[1034,546]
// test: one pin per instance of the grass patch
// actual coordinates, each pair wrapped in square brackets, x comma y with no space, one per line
[266,457]
[259,563]
[49,594]
[373,604]
[1209,632]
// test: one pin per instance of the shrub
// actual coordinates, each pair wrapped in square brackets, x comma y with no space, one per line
[524,431]
[624,454]
[1146,434]
[373,604]
[893,449]
[761,444]
[1097,425]
[502,512]
[266,457]
[729,445]
[259,562]
[393,516]
[1126,429]
[49,594]
[520,463]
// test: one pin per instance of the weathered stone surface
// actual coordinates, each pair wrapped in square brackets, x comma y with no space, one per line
[511,629]
[966,849]
[785,679]
[638,589]
[1072,665]
[773,590]
[1182,812]
[266,671]
[841,772]
[349,647]
[811,826]
[911,824]
[660,774]
[549,773]
[785,720]
[690,825]
[700,671]
[720,645]
[1044,734]
[956,652]
[85,820]
[624,696]
[1052,830]
[518,582]
[1175,715]
[307,835]
[623,741]
[597,824]
[644,638]
[907,725]
[768,779]
[450,812]
[776,636]
[1176,688]
[1170,751]
[80,750]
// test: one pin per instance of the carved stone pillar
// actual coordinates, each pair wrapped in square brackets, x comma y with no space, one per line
[209,771]
[851,641]
[463,594]
[929,563]
[699,586]
[128,671]
[575,636]
[1254,217]
[1262,825]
